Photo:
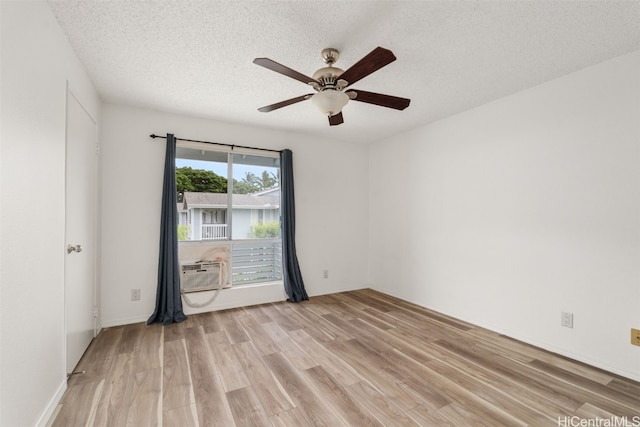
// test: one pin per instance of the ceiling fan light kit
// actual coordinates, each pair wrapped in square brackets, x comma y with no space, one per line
[329,83]
[330,101]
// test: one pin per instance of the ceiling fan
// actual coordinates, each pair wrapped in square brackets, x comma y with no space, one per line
[329,83]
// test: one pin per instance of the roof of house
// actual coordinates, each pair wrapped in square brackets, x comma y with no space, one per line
[275,191]
[219,200]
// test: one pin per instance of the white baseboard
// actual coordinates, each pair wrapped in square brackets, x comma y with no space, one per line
[46,417]
[237,296]
[336,290]
[234,297]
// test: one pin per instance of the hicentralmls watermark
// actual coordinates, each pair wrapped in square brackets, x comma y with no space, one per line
[613,421]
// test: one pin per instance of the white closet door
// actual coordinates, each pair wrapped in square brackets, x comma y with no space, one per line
[80,219]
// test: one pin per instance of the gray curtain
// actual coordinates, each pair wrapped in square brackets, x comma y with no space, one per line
[293,283]
[168,301]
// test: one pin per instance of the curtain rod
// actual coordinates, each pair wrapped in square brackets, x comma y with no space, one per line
[154,136]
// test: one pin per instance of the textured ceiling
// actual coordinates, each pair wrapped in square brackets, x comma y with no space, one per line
[195,57]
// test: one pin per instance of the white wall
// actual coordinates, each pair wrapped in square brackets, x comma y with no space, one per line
[331,179]
[37,62]
[518,210]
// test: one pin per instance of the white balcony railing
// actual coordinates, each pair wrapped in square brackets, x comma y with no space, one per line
[256,261]
[214,232]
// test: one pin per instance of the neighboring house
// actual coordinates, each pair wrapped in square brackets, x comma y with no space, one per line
[207,217]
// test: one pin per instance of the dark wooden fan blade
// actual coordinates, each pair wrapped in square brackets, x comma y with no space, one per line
[336,119]
[279,68]
[380,99]
[376,59]
[284,103]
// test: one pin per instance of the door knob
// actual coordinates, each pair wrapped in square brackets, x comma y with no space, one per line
[76,248]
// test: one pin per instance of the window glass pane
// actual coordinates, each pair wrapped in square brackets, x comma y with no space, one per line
[256,197]
[208,184]
[202,194]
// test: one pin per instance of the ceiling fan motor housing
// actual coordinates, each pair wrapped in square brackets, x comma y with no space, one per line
[328,77]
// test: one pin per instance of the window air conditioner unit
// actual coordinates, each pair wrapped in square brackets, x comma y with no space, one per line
[200,276]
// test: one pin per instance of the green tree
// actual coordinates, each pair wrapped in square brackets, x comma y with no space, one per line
[199,180]
[183,232]
[250,178]
[268,180]
[242,187]
[262,231]
[183,183]
[251,183]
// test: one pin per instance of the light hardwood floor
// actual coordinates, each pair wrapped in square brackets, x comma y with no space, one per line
[358,358]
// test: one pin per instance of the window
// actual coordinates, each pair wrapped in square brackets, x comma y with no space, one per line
[231,200]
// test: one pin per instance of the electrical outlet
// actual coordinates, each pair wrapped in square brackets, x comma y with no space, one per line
[326,274]
[135,294]
[566,320]
[635,336]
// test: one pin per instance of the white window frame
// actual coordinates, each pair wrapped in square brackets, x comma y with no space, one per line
[229,214]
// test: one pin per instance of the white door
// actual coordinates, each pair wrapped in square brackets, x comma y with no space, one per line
[80,220]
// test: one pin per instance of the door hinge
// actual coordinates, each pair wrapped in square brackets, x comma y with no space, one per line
[95,312]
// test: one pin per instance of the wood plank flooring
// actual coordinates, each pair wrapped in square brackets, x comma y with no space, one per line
[357,358]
